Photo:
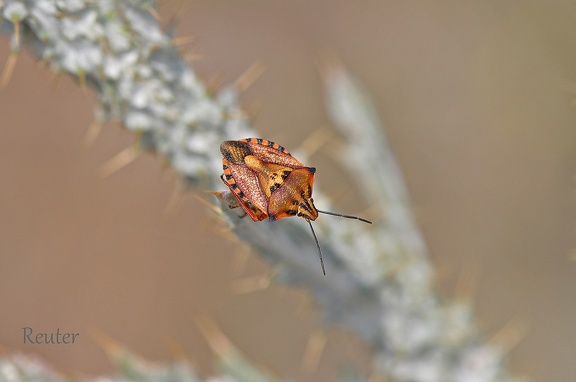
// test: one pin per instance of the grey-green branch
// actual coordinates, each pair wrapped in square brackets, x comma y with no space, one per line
[379,282]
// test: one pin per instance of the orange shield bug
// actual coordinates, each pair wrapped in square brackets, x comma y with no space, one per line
[268,182]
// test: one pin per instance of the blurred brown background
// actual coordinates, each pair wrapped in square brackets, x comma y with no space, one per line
[478,97]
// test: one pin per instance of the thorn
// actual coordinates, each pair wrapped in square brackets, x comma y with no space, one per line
[82,79]
[92,133]
[249,76]
[184,40]
[329,66]
[106,342]
[8,69]
[222,229]
[240,256]
[236,114]
[120,160]
[218,342]
[227,232]
[221,195]
[114,349]
[250,284]
[193,57]
[55,78]
[41,63]
[304,305]
[176,349]
[225,196]
[467,283]
[510,335]
[253,110]
[338,146]
[214,83]
[443,271]
[17,33]
[175,201]
[315,141]
[153,12]
[314,350]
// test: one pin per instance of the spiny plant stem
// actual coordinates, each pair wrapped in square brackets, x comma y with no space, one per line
[379,284]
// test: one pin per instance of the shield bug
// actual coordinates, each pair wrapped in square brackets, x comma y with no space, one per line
[268,182]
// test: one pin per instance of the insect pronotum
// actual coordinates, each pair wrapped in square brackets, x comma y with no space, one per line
[269,182]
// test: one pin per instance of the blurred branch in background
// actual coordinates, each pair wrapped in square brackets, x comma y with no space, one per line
[379,281]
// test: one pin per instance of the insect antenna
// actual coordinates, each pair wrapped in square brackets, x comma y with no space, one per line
[345,216]
[317,246]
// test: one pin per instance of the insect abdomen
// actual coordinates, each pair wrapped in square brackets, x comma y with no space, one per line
[235,151]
